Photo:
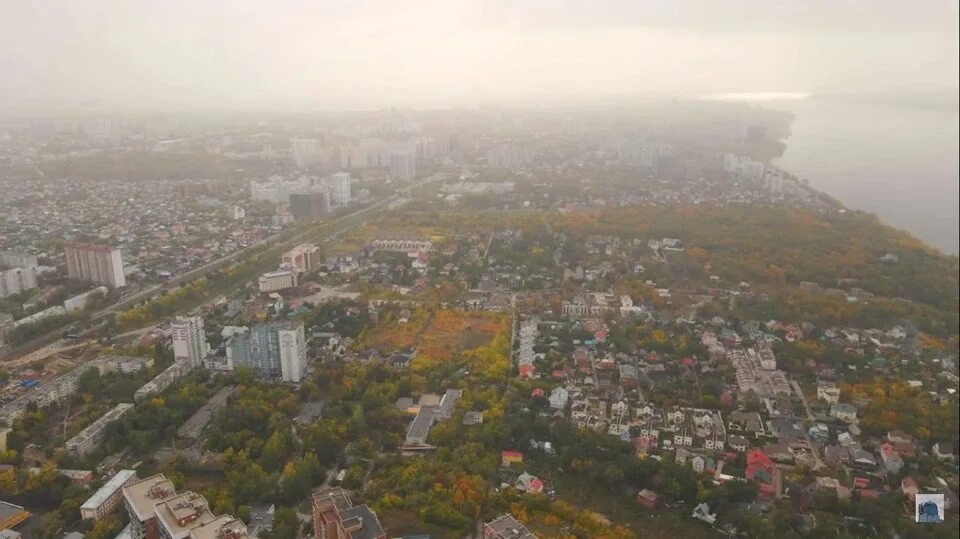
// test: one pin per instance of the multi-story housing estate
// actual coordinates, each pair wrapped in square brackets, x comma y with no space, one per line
[59,389]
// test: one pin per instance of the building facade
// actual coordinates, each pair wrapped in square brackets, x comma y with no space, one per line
[87,440]
[105,500]
[96,264]
[16,280]
[274,351]
[274,281]
[189,340]
[303,257]
[13,259]
[403,164]
[140,499]
[338,184]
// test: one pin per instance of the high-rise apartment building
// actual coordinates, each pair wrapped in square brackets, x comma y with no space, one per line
[403,164]
[157,512]
[277,189]
[141,498]
[189,340]
[509,156]
[309,206]
[96,264]
[16,280]
[338,185]
[306,151]
[293,353]
[274,350]
[13,259]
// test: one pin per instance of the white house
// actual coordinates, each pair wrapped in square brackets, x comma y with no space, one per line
[558,398]
[844,412]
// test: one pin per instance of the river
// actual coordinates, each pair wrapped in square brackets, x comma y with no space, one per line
[897,161]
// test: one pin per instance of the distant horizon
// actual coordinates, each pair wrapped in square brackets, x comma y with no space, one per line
[40,108]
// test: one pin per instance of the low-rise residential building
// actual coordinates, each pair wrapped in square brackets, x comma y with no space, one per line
[828,392]
[648,498]
[12,515]
[511,457]
[162,381]
[892,461]
[79,302]
[108,497]
[527,482]
[506,527]
[89,438]
[402,245]
[844,412]
[558,398]
[738,443]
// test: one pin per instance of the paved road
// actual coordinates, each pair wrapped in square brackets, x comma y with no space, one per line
[803,399]
[53,336]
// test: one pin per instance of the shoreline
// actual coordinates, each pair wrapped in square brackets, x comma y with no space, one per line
[909,190]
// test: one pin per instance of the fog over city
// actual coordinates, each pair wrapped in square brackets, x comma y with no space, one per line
[182,54]
[479,269]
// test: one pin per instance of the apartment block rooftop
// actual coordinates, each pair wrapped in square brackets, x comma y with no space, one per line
[143,495]
[182,513]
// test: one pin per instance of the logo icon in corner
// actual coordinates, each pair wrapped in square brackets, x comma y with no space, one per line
[929,508]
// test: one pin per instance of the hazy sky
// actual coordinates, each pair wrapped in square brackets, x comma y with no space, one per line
[328,53]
